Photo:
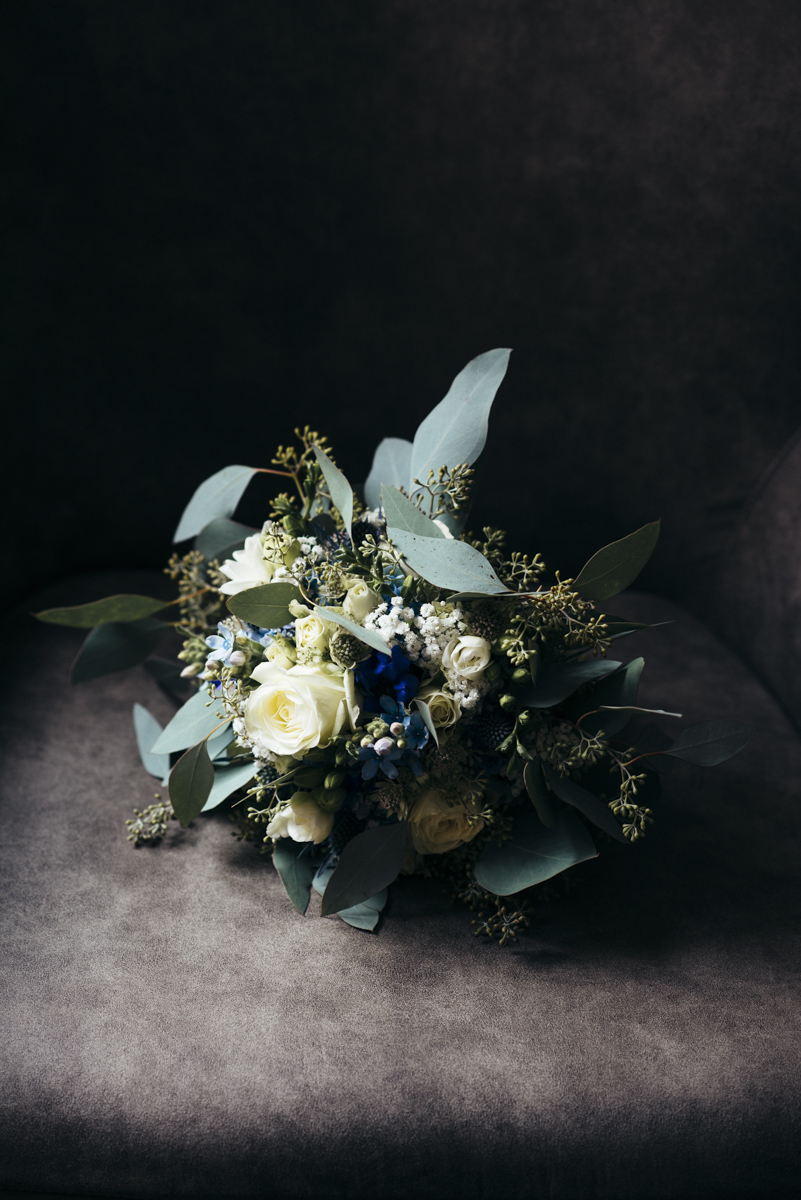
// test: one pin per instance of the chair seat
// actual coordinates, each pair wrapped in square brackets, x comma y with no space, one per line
[175,1028]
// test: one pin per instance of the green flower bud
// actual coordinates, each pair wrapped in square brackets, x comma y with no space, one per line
[506,643]
[524,717]
[329,800]
[334,778]
[407,587]
[508,702]
[519,677]
[493,672]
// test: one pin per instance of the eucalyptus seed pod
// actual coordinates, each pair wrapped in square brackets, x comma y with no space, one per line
[519,677]
[508,702]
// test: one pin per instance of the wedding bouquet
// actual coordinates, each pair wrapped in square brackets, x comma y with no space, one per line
[381,692]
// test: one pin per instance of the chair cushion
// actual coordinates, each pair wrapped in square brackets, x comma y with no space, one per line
[174,1027]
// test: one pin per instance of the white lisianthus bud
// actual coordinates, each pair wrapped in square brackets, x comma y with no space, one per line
[302,821]
[247,568]
[294,710]
[312,634]
[360,601]
[437,826]
[467,655]
[445,709]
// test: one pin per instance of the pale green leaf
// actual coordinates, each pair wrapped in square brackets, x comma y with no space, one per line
[400,513]
[454,565]
[616,566]
[391,466]
[102,612]
[216,497]
[266,606]
[228,780]
[195,720]
[147,730]
[595,810]
[221,537]
[338,486]
[115,647]
[294,865]
[369,863]
[533,853]
[711,742]
[369,636]
[557,681]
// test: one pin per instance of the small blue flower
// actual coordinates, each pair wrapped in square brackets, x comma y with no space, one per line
[264,637]
[222,645]
[382,673]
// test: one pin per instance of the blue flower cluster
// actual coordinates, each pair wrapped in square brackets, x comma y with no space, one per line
[382,674]
[385,754]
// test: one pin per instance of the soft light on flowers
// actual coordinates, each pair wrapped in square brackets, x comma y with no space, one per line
[445,709]
[467,655]
[302,821]
[359,601]
[312,635]
[437,826]
[248,568]
[294,710]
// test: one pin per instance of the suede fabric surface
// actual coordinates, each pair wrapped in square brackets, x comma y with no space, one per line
[172,1027]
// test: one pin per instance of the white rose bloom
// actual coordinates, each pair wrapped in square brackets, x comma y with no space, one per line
[360,601]
[248,568]
[312,634]
[294,710]
[445,709]
[302,821]
[467,655]
[437,826]
[281,652]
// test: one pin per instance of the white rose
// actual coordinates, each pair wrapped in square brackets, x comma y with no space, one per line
[467,655]
[248,568]
[360,601]
[281,652]
[296,709]
[444,709]
[437,826]
[302,821]
[312,634]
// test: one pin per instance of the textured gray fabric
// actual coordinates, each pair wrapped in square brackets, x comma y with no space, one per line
[174,1027]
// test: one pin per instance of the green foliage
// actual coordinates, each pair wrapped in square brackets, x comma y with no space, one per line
[266,606]
[619,691]
[338,487]
[557,681]
[147,731]
[228,780]
[400,513]
[616,566]
[368,636]
[454,565]
[294,864]
[360,916]
[425,713]
[217,497]
[196,719]
[101,612]
[369,863]
[588,805]
[391,466]
[150,825]
[533,853]
[115,647]
[190,783]
[539,795]
[711,742]
[220,538]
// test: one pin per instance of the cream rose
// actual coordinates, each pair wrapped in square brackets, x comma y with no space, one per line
[248,568]
[296,709]
[312,635]
[302,821]
[444,709]
[359,601]
[467,655]
[437,826]
[281,652]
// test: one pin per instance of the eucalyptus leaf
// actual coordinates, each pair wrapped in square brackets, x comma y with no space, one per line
[428,720]
[147,730]
[195,720]
[447,564]
[216,497]
[228,780]
[618,691]
[220,742]
[294,865]
[590,806]
[167,674]
[539,795]
[266,606]
[221,537]
[102,612]
[369,636]
[617,565]
[338,486]
[533,853]
[557,681]
[115,647]
[456,430]
[190,783]
[369,863]
[391,465]
[400,513]
[711,742]
[619,627]
[360,916]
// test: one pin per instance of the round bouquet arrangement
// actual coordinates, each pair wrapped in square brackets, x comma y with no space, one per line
[380,691]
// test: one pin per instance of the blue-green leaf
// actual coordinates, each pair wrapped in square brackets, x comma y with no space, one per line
[425,713]
[616,566]
[220,742]
[711,742]
[194,721]
[190,782]
[338,486]
[539,795]
[360,916]
[456,430]
[266,606]
[228,780]
[391,466]
[595,810]
[369,863]
[147,730]
[293,862]
[454,565]
[115,647]
[216,497]
[557,681]
[400,513]
[369,636]
[533,854]
[619,691]
[221,537]
[103,612]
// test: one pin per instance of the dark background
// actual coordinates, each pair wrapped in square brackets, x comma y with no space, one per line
[226,219]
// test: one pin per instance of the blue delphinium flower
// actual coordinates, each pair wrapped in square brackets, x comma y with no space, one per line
[264,637]
[382,673]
